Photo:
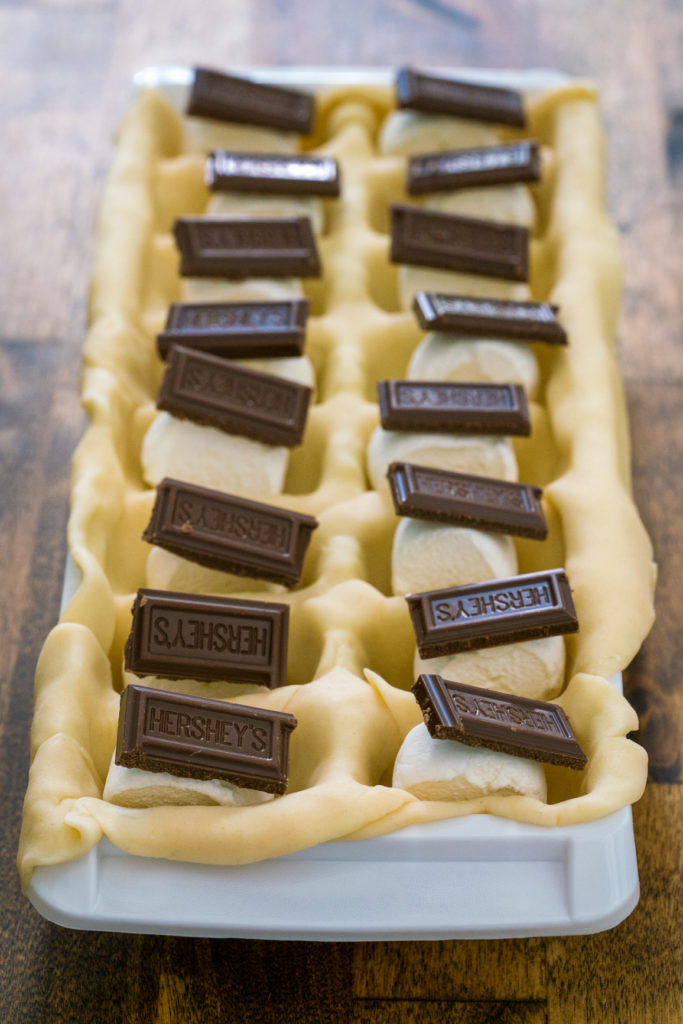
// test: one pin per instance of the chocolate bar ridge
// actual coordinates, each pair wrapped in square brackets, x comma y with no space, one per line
[489,318]
[478,717]
[228,532]
[237,330]
[477,502]
[426,406]
[438,95]
[449,241]
[238,247]
[231,98]
[505,164]
[199,738]
[502,611]
[196,636]
[272,174]
[214,391]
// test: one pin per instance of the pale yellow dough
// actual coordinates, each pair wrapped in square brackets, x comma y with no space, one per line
[343,621]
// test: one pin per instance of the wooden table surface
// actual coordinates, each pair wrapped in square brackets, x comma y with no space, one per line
[65,69]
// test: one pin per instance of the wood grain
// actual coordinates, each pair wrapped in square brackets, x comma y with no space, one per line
[652,682]
[65,67]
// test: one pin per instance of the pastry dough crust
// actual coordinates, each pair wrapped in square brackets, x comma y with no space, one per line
[351,643]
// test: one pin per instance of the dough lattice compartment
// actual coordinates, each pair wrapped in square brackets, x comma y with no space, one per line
[344,619]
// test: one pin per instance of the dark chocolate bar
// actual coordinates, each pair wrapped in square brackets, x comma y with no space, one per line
[237,330]
[294,175]
[437,95]
[444,406]
[246,247]
[478,502]
[474,168]
[502,611]
[227,532]
[534,729]
[229,98]
[489,318]
[194,636]
[450,242]
[220,393]
[198,738]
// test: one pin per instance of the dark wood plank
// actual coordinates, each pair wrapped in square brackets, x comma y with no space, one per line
[652,682]
[402,1011]
[631,974]
[57,128]
[515,970]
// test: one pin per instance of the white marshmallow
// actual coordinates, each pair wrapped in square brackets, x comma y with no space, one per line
[296,368]
[464,453]
[506,204]
[531,668]
[133,787]
[211,458]
[429,556]
[451,282]
[257,204]
[203,134]
[410,132]
[446,770]
[167,571]
[451,357]
[250,289]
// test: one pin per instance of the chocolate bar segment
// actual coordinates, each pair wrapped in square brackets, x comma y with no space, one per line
[437,95]
[474,168]
[489,318]
[230,98]
[451,242]
[520,726]
[477,502]
[494,612]
[295,175]
[198,738]
[237,330]
[194,636]
[227,532]
[219,393]
[246,247]
[444,406]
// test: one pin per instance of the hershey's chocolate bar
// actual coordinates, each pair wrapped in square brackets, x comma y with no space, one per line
[535,729]
[224,531]
[494,612]
[237,330]
[489,318]
[194,636]
[230,98]
[469,168]
[246,247]
[444,406]
[294,175]
[451,242]
[478,502]
[198,738]
[220,393]
[437,95]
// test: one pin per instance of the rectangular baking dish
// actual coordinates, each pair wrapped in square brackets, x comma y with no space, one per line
[467,878]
